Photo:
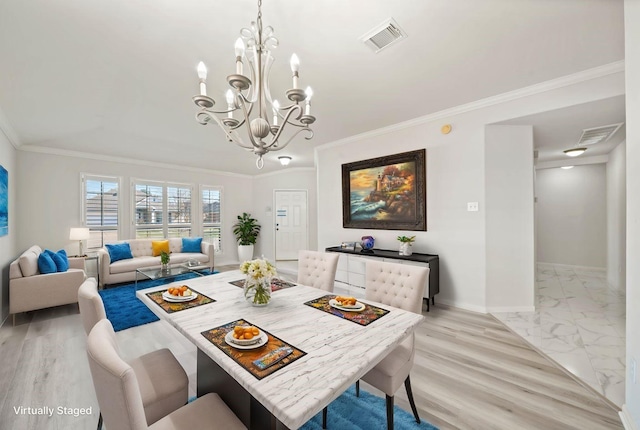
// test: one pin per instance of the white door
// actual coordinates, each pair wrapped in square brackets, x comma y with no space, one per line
[290,224]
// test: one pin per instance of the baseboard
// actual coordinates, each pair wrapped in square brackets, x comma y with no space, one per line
[627,420]
[501,309]
[573,266]
[465,306]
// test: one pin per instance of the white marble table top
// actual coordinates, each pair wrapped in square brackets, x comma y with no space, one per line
[339,352]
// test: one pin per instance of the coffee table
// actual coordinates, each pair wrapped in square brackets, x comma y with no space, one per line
[154,273]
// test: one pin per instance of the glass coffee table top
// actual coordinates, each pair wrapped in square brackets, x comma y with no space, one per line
[158,273]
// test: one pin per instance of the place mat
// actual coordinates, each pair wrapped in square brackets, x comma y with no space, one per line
[276,284]
[365,317]
[246,357]
[170,307]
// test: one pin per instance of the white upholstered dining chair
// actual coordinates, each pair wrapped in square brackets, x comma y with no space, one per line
[400,286]
[163,383]
[317,269]
[118,390]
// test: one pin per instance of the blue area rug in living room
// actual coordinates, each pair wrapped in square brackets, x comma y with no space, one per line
[125,310]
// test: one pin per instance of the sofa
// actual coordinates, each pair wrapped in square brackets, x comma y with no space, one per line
[30,290]
[142,251]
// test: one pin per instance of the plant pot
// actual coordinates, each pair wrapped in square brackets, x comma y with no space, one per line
[405,249]
[258,293]
[245,253]
[164,267]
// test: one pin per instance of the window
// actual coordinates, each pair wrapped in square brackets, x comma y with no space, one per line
[101,201]
[211,216]
[162,210]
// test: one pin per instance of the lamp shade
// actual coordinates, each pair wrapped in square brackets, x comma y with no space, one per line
[79,233]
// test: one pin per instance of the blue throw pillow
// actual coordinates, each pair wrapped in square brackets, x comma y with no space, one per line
[119,251]
[46,264]
[191,244]
[59,259]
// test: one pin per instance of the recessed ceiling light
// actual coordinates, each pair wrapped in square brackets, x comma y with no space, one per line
[567,167]
[284,160]
[574,152]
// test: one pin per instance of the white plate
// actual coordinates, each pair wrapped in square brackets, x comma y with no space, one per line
[178,299]
[262,340]
[359,307]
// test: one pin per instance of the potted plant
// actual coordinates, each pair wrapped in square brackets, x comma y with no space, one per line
[246,230]
[405,244]
[164,260]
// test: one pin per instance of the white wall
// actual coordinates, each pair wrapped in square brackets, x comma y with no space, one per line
[632,67]
[509,218]
[617,217]
[263,189]
[8,248]
[50,193]
[572,215]
[455,176]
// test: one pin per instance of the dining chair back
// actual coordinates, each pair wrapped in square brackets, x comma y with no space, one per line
[317,269]
[401,286]
[114,380]
[90,303]
[118,392]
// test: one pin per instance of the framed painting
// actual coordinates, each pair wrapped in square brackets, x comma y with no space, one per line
[386,193]
[4,201]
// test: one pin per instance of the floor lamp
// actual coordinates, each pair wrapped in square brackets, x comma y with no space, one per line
[79,234]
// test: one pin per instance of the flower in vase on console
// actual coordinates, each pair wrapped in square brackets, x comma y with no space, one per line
[257,286]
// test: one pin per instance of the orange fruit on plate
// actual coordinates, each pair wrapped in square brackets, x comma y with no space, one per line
[248,335]
[238,329]
[183,288]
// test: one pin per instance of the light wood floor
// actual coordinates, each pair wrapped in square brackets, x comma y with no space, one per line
[470,373]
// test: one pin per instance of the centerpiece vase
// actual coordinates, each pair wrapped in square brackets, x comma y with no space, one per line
[258,291]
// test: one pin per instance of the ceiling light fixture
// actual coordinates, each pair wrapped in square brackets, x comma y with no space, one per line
[285,160]
[566,167]
[574,152]
[251,96]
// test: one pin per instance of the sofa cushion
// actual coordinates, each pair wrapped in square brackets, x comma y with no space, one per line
[60,259]
[46,264]
[158,246]
[28,261]
[130,265]
[191,244]
[119,251]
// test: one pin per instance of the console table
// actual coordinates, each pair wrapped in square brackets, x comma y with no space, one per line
[351,267]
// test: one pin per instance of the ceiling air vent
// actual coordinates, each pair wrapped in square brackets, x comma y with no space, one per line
[383,35]
[591,136]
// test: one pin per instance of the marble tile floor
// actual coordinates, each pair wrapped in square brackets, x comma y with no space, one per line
[579,323]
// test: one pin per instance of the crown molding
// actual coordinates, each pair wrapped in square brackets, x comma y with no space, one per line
[575,161]
[99,157]
[8,131]
[553,84]
[285,170]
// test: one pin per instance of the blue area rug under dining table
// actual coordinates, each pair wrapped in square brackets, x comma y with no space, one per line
[125,310]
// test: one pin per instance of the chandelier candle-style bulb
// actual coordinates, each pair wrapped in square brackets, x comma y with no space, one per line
[295,65]
[276,107]
[230,103]
[239,47]
[202,74]
[307,108]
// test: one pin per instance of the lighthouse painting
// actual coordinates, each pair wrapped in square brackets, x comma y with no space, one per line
[385,193]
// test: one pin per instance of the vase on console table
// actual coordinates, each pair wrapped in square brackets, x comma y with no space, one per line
[405,249]
[405,245]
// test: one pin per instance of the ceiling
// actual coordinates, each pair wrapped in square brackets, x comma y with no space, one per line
[557,130]
[116,78]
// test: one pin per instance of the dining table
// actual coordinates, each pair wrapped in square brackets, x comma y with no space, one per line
[332,350]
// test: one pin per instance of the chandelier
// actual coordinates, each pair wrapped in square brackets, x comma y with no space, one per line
[249,101]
